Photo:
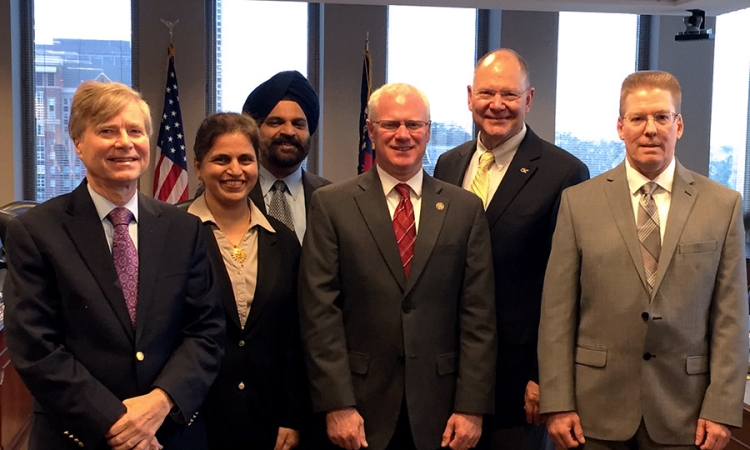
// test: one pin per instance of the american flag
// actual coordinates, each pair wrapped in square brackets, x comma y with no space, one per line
[170,177]
[366,152]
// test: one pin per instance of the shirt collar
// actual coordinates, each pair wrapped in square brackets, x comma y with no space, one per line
[389,182]
[200,209]
[507,148]
[104,206]
[293,181]
[665,180]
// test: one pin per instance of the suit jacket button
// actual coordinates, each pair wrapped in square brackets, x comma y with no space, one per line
[400,359]
[647,356]
[140,356]
[80,444]
[241,343]
[407,309]
[241,386]
[644,316]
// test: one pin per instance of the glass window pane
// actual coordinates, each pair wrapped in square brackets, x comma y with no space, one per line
[74,40]
[252,46]
[729,106]
[417,47]
[596,51]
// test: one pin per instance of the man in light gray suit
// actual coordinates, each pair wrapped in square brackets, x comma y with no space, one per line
[397,296]
[643,336]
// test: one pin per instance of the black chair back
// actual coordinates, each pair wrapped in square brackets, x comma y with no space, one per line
[5,217]
[19,207]
[7,213]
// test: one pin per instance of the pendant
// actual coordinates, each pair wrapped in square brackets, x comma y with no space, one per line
[239,255]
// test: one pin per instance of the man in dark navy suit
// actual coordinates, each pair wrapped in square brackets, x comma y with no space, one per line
[520,178]
[113,318]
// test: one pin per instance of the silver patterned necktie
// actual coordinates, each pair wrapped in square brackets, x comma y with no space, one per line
[648,232]
[279,208]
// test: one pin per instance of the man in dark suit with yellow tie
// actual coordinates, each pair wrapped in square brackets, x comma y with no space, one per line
[396,296]
[112,317]
[520,177]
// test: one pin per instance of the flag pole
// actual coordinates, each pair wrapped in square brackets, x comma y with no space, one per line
[366,151]
[170,172]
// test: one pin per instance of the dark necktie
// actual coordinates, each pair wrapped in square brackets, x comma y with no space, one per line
[279,208]
[648,232]
[125,257]
[404,226]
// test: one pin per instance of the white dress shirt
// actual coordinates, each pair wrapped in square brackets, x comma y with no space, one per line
[393,197]
[662,195]
[504,154]
[104,207]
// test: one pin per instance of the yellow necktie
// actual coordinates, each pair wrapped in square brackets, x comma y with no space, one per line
[481,183]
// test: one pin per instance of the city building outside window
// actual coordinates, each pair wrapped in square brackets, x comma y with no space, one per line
[74,41]
[596,51]
[729,108]
[419,38]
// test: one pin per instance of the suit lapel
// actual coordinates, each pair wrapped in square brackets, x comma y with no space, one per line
[307,189]
[256,195]
[521,169]
[152,236]
[431,220]
[455,174]
[269,265]
[681,204]
[86,232]
[374,209]
[618,197]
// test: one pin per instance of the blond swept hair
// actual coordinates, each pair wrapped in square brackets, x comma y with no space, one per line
[651,79]
[394,89]
[95,102]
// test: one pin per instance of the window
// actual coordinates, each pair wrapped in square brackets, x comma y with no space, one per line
[729,106]
[75,40]
[588,86]
[247,55]
[418,42]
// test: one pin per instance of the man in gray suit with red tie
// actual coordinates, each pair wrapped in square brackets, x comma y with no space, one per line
[398,316]
[643,336]
[520,177]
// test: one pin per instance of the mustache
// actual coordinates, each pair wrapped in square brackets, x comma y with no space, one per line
[287,140]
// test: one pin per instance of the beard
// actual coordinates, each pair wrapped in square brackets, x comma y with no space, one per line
[277,157]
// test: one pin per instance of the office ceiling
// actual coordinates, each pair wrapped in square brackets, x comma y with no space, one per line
[654,7]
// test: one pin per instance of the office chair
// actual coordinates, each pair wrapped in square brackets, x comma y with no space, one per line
[18,207]
[5,217]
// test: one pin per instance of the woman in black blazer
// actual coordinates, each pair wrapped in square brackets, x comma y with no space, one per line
[260,393]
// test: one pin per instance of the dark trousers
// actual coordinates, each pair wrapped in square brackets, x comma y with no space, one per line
[402,438]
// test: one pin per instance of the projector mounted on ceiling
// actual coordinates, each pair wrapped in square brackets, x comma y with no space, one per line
[695,27]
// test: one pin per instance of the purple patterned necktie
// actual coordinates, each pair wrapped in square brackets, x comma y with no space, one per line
[126,258]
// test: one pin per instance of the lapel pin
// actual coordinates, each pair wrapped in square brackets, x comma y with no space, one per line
[440,206]
[524,170]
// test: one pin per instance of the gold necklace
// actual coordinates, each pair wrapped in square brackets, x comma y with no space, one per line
[238,254]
